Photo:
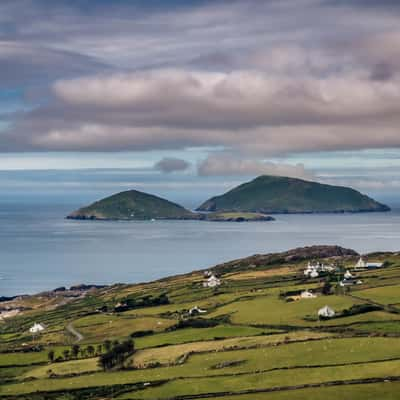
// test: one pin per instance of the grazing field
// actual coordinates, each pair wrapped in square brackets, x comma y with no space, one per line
[118,327]
[372,391]
[270,310]
[383,295]
[254,337]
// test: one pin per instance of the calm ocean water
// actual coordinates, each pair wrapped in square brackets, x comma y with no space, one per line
[40,250]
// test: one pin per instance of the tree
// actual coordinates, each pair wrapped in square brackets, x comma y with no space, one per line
[107,345]
[116,356]
[90,350]
[326,289]
[66,354]
[75,350]
[50,355]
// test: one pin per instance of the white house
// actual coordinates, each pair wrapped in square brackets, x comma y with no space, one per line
[314,269]
[350,282]
[361,264]
[311,271]
[212,281]
[196,310]
[36,328]
[326,312]
[348,275]
[307,295]
[374,265]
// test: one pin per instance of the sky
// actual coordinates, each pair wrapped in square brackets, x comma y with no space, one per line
[206,93]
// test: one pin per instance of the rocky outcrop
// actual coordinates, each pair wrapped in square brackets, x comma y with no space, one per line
[295,255]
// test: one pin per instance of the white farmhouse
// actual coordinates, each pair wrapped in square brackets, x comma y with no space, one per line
[326,312]
[212,281]
[196,310]
[307,295]
[348,275]
[313,270]
[350,282]
[361,264]
[374,265]
[36,328]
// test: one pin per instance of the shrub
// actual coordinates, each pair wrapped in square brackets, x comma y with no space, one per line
[360,309]
[194,323]
[117,355]
[141,333]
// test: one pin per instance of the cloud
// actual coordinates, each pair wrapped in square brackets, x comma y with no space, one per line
[228,165]
[168,165]
[255,78]
[23,64]
[242,110]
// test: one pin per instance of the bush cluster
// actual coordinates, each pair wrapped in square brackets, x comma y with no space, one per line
[117,355]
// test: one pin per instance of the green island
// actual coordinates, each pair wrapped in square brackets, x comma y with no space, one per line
[251,201]
[277,194]
[301,324]
[132,205]
[136,205]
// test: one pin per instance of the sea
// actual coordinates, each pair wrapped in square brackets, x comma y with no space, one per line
[41,250]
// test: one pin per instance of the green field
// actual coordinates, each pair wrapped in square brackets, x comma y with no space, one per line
[383,295]
[256,340]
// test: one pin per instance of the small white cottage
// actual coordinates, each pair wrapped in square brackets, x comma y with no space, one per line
[307,295]
[360,264]
[326,312]
[348,275]
[36,328]
[196,310]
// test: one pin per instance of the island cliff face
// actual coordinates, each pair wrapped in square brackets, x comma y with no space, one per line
[132,205]
[279,195]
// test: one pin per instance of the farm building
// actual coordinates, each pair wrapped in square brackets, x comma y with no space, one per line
[36,328]
[350,282]
[313,270]
[196,310]
[348,275]
[212,281]
[326,312]
[307,295]
[361,264]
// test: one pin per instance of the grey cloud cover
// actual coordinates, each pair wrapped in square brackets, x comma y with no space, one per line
[256,78]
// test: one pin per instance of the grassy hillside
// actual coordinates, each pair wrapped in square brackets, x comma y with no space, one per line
[256,339]
[132,205]
[275,194]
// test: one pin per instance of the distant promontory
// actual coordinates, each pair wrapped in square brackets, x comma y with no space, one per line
[280,195]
